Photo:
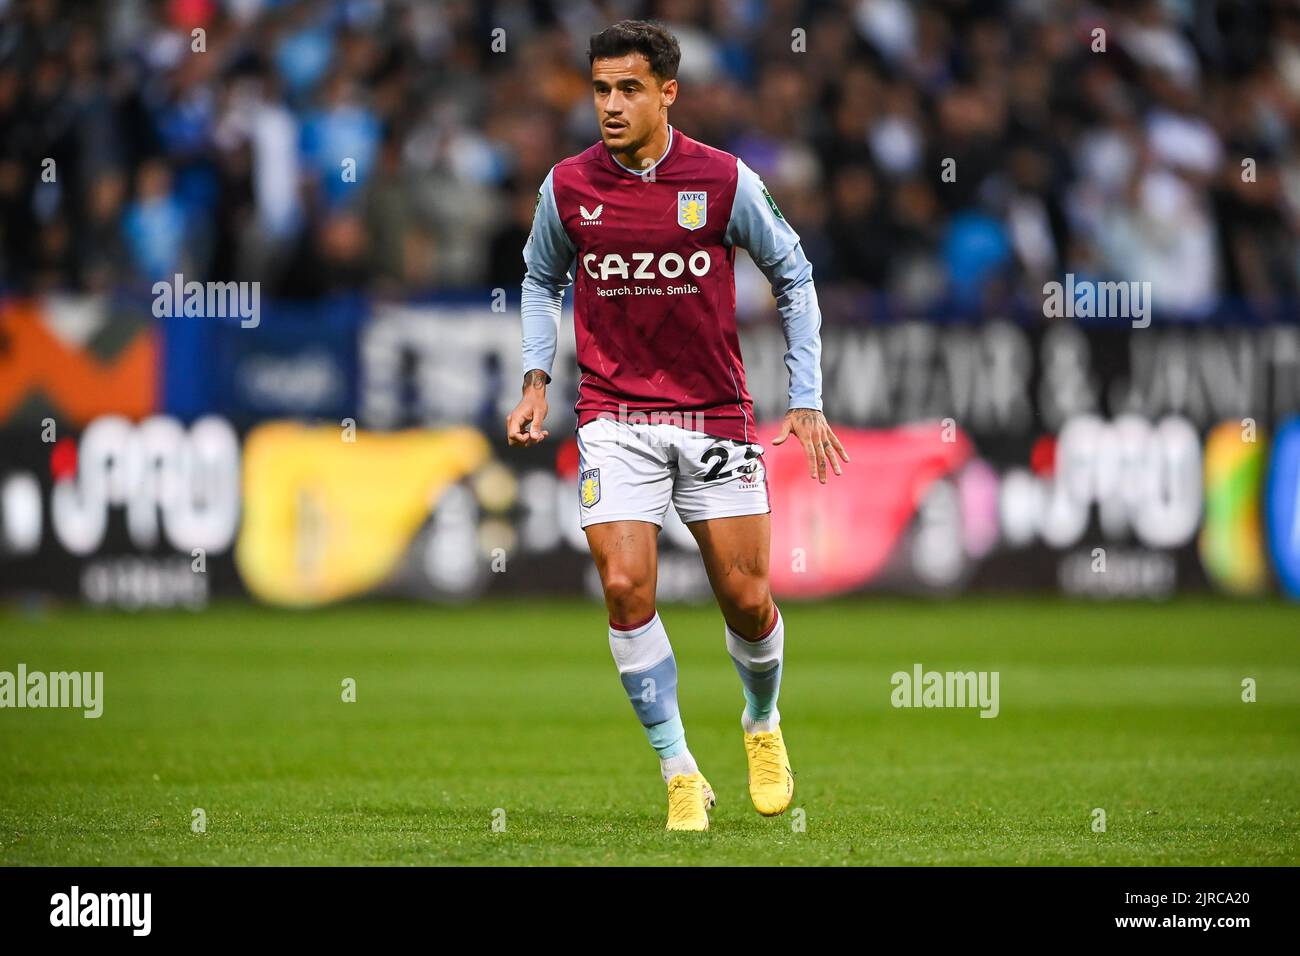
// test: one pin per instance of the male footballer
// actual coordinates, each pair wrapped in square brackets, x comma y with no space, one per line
[649,220]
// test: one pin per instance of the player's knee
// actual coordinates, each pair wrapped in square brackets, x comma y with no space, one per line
[751,602]
[629,597]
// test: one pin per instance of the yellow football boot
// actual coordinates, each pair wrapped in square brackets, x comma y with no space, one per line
[690,798]
[771,784]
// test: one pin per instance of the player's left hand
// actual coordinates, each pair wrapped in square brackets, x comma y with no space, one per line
[819,442]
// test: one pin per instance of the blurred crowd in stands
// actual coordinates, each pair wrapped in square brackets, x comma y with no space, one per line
[937,155]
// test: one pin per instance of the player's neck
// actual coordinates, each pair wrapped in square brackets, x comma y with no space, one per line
[648,153]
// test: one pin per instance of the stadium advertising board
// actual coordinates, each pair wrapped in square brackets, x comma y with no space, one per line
[1099,462]
[71,359]
[298,361]
[121,513]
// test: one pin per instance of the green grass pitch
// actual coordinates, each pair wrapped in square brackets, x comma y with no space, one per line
[513,712]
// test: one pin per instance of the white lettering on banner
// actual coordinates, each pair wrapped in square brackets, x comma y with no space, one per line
[1129,574]
[910,372]
[138,581]
[299,383]
[155,470]
[1210,376]
[1143,479]
[444,365]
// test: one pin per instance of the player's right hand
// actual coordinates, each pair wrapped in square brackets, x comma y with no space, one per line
[524,424]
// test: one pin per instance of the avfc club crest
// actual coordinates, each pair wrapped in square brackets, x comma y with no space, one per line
[692,209]
[589,487]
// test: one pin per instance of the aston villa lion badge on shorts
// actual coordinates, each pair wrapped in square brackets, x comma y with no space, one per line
[589,487]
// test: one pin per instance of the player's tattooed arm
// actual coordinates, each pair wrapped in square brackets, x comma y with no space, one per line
[524,423]
[819,443]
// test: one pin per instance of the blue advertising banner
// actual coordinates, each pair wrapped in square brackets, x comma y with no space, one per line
[1283,507]
[298,361]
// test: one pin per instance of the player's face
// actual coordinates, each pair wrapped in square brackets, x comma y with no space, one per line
[630,101]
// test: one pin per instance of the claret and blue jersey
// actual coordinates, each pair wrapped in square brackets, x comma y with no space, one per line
[651,256]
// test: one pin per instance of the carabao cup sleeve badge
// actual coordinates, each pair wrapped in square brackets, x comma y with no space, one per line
[589,487]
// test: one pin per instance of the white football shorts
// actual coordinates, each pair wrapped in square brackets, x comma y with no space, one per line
[630,471]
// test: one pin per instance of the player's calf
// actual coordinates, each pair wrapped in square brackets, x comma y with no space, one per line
[648,670]
[758,662]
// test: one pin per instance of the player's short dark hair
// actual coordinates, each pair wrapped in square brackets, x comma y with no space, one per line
[651,40]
